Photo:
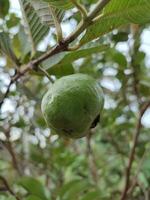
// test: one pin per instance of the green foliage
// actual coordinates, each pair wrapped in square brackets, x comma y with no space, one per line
[33,187]
[6,47]
[61,64]
[4,7]
[36,164]
[116,14]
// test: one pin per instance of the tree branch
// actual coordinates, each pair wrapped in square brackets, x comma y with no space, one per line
[9,147]
[132,153]
[135,179]
[7,187]
[6,93]
[62,46]
[99,7]
[91,159]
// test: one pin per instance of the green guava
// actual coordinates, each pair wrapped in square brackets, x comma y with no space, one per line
[73,105]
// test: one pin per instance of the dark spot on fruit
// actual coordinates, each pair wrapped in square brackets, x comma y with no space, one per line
[95,122]
[67,130]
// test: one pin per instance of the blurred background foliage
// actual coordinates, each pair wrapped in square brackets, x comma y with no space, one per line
[42,166]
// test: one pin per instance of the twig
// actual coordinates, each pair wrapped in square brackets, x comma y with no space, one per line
[9,147]
[46,74]
[62,46]
[8,188]
[133,64]
[99,7]
[91,158]
[134,182]
[6,93]
[132,153]
[80,7]
[13,80]
[57,25]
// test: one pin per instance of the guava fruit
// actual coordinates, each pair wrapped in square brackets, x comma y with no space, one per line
[73,105]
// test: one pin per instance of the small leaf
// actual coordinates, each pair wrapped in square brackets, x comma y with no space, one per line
[33,186]
[92,195]
[44,11]
[35,30]
[13,21]
[6,47]
[61,64]
[4,7]
[32,197]
[65,4]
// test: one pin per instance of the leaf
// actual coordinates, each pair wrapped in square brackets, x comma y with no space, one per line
[33,186]
[91,195]
[120,37]
[118,13]
[4,7]
[45,12]
[25,47]
[118,57]
[73,189]
[13,20]
[32,197]
[4,165]
[6,47]
[34,29]
[61,64]
[65,4]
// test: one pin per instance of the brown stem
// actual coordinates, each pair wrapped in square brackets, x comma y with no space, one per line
[9,147]
[132,153]
[6,94]
[91,159]
[135,179]
[8,188]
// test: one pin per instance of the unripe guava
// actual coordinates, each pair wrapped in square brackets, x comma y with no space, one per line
[72,105]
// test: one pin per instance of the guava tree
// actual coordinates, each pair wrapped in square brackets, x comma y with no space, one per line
[46,40]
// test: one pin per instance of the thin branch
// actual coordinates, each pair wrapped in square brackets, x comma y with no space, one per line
[9,147]
[57,25]
[81,8]
[14,79]
[8,188]
[62,46]
[136,32]
[91,159]
[46,74]
[135,179]
[98,8]
[132,153]
[6,93]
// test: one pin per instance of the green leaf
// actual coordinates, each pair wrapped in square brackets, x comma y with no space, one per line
[25,47]
[45,12]
[61,64]
[120,37]
[33,186]
[32,197]
[118,13]
[119,58]
[91,195]
[4,165]
[13,20]
[73,189]
[6,47]
[65,4]
[34,29]
[7,197]
[4,7]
